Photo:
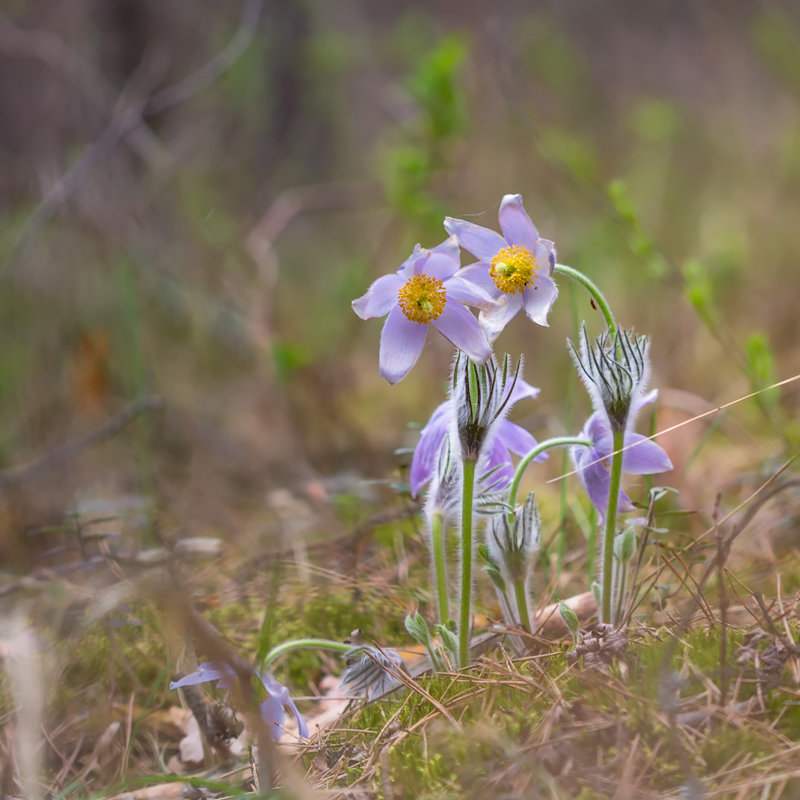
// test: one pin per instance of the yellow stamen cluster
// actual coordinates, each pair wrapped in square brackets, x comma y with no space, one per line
[513,268]
[422,298]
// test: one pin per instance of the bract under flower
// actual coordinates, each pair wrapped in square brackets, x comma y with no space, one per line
[425,291]
[514,268]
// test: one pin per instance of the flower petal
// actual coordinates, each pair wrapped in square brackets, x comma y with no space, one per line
[517,439]
[482,242]
[468,294]
[425,460]
[280,694]
[272,713]
[457,325]
[208,671]
[521,391]
[440,265]
[596,481]
[644,457]
[545,255]
[380,298]
[497,461]
[449,247]
[539,299]
[401,344]
[494,321]
[516,224]
[478,275]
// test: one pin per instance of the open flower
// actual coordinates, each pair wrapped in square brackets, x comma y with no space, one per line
[425,291]
[272,709]
[514,268]
[504,438]
[641,456]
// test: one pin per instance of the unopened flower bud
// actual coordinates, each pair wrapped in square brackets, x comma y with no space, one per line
[615,371]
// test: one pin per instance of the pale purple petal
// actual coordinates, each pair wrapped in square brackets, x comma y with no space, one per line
[516,224]
[478,274]
[539,299]
[497,460]
[425,460]
[596,428]
[468,294]
[545,256]
[406,269]
[644,457]
[522,390]
[493,322]
[449,247]
[439,266]
[518,440]
[380,298]
[457,325]
[208,671]
[483,243]
[401,344]
[280,694]
[272,713]
[596,480]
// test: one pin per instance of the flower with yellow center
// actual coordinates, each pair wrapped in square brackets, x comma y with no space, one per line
[513,268]
[422,298]
[427,290]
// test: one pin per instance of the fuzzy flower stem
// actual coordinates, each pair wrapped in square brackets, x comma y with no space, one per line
[594,291]
[298,644]
[611,523]
[438,548]
[559,441]
[522,605]
[465,616]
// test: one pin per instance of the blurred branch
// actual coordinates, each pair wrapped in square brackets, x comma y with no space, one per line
[70,449]
[54,53]
[128,117]
[287,206]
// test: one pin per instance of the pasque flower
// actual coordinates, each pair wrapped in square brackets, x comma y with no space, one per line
[615,370]
[514,268]
[272,709]
[506,437]
[425,290]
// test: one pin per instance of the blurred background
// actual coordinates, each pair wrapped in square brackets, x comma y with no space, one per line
[191,194]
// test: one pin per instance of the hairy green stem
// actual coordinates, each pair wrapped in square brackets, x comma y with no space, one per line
[558,441]
[465,615]
[298,644]
[611,523]
[439,568]
[522,605]
[594,291]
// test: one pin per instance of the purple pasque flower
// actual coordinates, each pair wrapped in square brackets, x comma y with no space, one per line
[425,291]
[505,438]
[272,709]
[641,456]
[514,268]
